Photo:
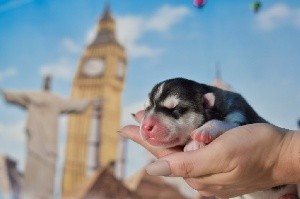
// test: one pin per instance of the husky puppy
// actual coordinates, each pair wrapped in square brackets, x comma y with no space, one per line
[181,112]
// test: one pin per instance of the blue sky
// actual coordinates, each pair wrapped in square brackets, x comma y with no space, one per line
[258,53]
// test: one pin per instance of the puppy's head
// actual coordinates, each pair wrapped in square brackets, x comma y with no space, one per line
[174,108]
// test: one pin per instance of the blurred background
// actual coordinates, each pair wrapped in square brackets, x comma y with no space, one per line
[252,47]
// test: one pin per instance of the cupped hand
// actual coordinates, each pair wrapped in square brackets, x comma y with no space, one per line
[243,160]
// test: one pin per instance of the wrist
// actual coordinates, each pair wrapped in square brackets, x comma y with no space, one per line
[288,168]
[295,157]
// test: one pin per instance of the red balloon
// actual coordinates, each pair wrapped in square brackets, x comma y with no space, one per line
[199,3]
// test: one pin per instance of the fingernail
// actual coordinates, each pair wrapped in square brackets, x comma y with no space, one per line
[134,116]
[121,133]
[159,168]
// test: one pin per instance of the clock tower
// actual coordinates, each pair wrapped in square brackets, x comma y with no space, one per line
[100,75]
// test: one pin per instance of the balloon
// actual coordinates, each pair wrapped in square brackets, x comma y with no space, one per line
[255,6]
[199,3]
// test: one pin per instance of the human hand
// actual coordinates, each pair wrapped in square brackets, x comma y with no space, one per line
[242,160]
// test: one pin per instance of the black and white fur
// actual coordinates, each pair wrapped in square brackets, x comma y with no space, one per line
[178,109]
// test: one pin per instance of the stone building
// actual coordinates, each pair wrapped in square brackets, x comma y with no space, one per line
[10,178]
[103,185]
[148,187]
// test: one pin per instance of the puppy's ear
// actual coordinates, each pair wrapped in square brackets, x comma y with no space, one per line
[208,100]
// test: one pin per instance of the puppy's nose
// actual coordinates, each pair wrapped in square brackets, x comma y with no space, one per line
[153,128]
[148,126]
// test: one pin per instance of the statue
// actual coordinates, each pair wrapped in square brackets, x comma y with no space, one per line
[43,109]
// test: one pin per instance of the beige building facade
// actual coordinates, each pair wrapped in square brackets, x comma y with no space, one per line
[100,76]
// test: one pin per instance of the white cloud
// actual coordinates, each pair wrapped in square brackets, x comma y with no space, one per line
[61,69]
[131,29]
[70,46]
[280,15]
[8,72]
[166,17]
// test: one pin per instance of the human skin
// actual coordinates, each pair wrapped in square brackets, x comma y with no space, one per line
[243,160]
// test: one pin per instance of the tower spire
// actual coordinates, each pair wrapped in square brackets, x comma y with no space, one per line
[217,82]
[107,13]
[106,31]
[218,71]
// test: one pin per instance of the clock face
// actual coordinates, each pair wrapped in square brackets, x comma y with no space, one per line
[93,67]
[120,70]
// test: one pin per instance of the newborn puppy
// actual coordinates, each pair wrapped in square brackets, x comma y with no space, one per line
[181,112]
[178,109]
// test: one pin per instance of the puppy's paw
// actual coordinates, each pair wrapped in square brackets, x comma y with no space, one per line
[203,135]
[193,145]
[211,130]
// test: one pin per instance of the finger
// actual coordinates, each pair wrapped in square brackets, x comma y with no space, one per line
[206,191]
[225,192]
[204,197]
[207,195]
[138,116]
[196,184]
[289,196]
[132,132]
[198,163]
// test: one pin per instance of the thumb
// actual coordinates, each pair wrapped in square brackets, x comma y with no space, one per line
[138,116]
[197,163]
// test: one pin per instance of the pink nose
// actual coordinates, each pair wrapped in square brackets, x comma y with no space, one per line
[148,126]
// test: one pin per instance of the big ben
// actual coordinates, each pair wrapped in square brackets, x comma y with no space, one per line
[100,75]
